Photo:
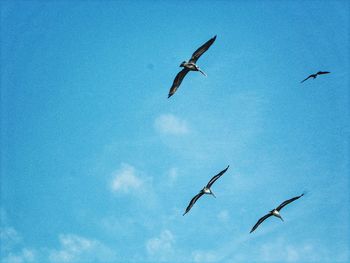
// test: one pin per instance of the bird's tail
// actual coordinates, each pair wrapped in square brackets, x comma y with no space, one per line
[280,217]
[202,72]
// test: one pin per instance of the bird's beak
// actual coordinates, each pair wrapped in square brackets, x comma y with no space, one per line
[213,194]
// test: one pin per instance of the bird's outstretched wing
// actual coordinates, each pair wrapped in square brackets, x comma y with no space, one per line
[215,177]
[201,50]
[260,221]
[322,72]
[307,78]
[288,202]
[192,202]
[177,81]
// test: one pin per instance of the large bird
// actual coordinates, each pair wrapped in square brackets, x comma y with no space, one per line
[190,66]
[315,75]
[275,212]
[206,190]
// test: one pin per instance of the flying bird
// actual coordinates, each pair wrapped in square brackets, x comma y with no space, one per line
[315,75]
[206,190]
[190,66]
[275,212]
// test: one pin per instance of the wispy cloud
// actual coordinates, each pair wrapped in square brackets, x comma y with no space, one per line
[130,181]
[73,248]
[125,179]
[161,247]
[24,256]
[9,237]
[171,125]
[76,249]
[11,243]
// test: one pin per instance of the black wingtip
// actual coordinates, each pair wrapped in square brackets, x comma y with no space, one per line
[170,95]
[226,168]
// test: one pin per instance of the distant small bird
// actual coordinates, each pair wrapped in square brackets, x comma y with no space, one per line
[275,212]
[190,66]
[315,75]
[206,190]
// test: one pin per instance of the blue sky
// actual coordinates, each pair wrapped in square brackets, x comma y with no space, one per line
[97,165]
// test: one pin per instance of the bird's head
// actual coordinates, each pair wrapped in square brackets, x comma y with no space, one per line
[183,64]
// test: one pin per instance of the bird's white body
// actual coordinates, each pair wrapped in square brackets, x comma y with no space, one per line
[275,213]
[206,190]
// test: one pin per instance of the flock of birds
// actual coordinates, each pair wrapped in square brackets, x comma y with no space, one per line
[192,66]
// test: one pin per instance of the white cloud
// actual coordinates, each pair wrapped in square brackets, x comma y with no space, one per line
[11,251]
[161,247]
[9,237]
[76,249]
[125,179]
[170,124]
[24,256]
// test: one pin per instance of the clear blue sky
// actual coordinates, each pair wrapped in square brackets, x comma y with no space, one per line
[97,165]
